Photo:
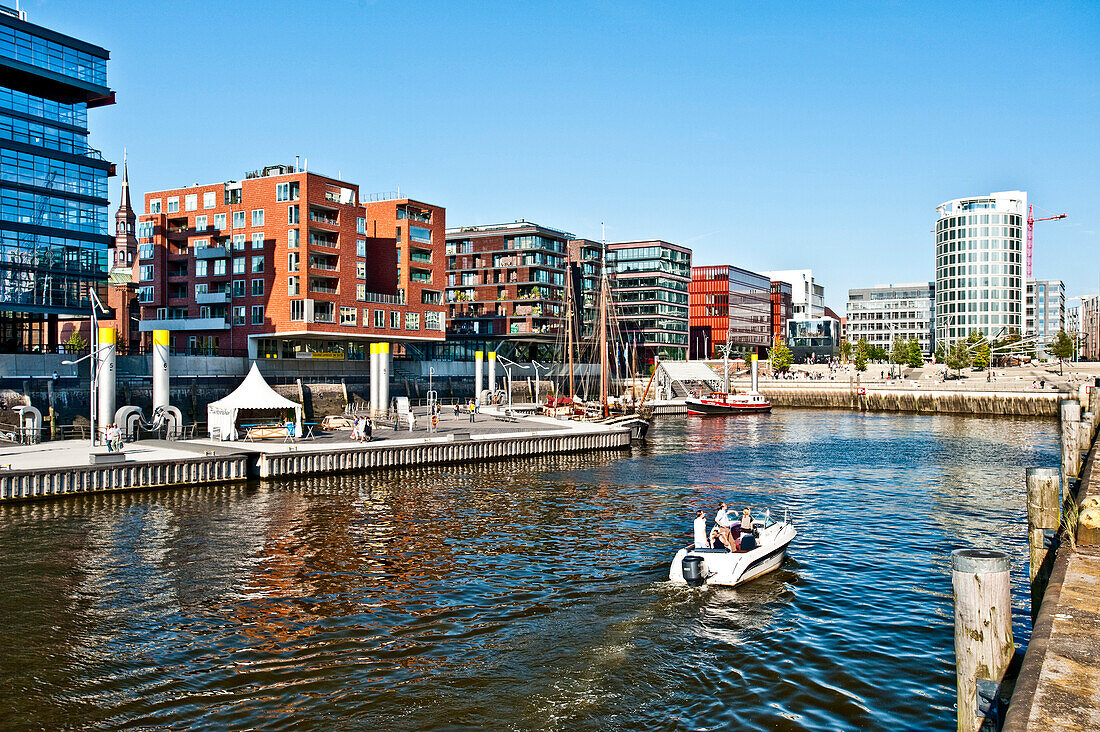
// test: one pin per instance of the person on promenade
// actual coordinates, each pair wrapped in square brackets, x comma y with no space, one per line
[701,541]
[470,406]
[456,410]
[355,429]
[477,405]
[412,421]
[368,429]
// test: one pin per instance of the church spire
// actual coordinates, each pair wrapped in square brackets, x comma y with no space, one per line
[125,241]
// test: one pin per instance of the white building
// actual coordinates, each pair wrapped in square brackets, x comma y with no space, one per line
[979,266]
[807,297]
[1044,312]
[882,313]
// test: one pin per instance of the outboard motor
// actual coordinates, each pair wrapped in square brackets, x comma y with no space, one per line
[693,570]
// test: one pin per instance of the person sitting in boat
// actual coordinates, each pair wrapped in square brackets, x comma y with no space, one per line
[717,541]
[701,531]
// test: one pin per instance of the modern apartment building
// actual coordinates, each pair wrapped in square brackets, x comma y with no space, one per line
[1044,311]
[882,313]
[979,266]
[649,281]
[727,302]
[782,308]
[1090,328]
[807,296]
[288,264]
[53,184]
[505,282]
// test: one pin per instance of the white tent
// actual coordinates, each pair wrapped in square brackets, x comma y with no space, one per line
[254,394]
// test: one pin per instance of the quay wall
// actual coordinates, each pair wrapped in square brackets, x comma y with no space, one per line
[297,463]
[1022,404]
[27,484]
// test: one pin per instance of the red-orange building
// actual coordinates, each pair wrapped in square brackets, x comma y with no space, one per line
[288,264]
[728,302]
[782,308]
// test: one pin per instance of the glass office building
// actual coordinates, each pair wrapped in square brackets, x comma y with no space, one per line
[649,282]
[979,266]
[53,185]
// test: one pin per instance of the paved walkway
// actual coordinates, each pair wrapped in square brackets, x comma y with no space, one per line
[76,453]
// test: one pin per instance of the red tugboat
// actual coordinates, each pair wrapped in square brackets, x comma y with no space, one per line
[723,402]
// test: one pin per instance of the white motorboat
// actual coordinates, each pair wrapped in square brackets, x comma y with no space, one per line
[704,566]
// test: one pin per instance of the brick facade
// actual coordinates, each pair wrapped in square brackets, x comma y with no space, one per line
[284,263]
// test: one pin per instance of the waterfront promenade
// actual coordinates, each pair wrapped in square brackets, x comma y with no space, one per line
[66,467]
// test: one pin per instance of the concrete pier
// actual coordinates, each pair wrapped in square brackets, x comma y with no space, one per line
[1058,687]
[71,467]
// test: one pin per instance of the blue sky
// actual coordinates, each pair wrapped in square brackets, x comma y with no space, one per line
[766,135]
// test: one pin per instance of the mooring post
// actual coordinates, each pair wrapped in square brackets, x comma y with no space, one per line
[1042,528]
[1071,457]
[983,635]
[1084,435]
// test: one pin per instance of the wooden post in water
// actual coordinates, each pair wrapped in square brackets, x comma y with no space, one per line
[1071,415]
[983,633]
[1042,517]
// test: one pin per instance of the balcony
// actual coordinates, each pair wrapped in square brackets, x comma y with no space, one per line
[323,217]
[184,324]
[211,298]
[211,252]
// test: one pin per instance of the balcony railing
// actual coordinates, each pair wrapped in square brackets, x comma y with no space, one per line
[184,324]
[321,218]
[211,252]
[210,298]
[378,297]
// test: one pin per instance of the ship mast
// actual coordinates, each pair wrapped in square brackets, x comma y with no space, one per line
[569,322]
[604,366]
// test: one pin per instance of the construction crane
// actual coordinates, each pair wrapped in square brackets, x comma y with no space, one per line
[1031,231]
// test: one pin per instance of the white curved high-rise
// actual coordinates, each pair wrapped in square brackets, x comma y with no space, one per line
[979,266]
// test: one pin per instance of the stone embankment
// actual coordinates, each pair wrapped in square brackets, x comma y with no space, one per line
[1058,686]
[922,400]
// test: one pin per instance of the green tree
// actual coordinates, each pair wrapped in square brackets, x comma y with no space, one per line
[780,356]
[957,356]
[862,353]
[76,343]
[915,355]
[878,353]
[845,350]
[899,354]
[981,356]
[940,354]
[1062,348]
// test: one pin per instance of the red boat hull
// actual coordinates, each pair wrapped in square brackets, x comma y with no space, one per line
[708,406]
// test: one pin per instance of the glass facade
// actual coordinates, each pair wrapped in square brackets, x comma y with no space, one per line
[53,185]
[729,303]
[649,282]
[979,266]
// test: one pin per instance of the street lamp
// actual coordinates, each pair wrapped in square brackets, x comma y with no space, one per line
[536,366]
[95,366]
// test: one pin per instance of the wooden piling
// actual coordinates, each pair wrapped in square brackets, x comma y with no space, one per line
[1042,516]
[983,631]
[1071,457]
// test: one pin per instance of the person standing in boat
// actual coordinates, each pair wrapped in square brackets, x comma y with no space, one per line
[701,531]
[725,526]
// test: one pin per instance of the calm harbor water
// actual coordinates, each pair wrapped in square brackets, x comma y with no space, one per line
[523,595]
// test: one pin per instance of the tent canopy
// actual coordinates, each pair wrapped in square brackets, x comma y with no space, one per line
[253,394]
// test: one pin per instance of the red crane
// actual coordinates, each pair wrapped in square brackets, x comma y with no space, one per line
[1031,232]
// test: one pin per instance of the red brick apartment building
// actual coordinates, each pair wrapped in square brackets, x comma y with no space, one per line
[289,264]
[505,282]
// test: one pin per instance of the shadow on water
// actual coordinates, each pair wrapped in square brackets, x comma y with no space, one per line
[523,594]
